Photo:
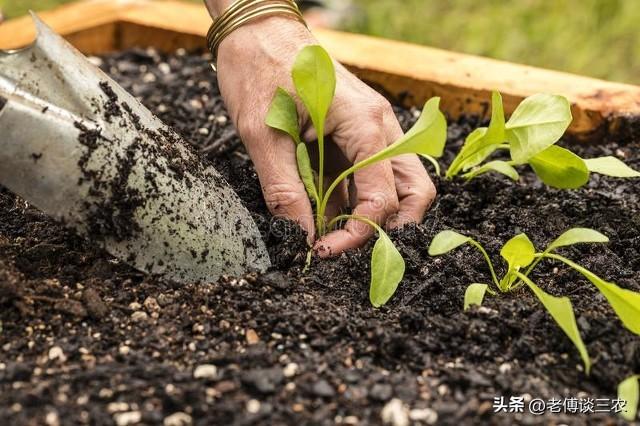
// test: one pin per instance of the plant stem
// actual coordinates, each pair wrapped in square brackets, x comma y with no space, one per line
[321,163]
[488,259]
[355,217]
[458,163]
[379,156]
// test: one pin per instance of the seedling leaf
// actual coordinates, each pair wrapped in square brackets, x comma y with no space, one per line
[428,136]
[501,167]
[629,391]
[496,132]
[474,295]
[518,252]
[577,236]
[387,270]
[431,123]
[536,124]
[482,142]
[446,241]
[315,80]
[560,168]
[625,303]
[314,77]
[306,171]
[611,166]
[283,115]
[561,311]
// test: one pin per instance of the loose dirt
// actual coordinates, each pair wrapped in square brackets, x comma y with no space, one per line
[85,339]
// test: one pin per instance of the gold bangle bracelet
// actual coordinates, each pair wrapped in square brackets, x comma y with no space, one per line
[257,13]
[242,12]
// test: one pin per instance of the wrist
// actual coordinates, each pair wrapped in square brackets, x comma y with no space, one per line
[275,38]
[216,7]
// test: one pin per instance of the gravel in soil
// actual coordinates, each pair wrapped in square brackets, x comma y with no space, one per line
[85,339]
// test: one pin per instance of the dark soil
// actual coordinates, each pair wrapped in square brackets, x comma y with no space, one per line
[87,340]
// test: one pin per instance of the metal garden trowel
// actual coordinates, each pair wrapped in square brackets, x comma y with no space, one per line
[76,145]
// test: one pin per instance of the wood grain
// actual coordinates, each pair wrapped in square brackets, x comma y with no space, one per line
[407,72]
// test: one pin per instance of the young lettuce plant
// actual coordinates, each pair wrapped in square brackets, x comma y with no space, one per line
[530,136]
[520,253]
[314,80]
[629,391]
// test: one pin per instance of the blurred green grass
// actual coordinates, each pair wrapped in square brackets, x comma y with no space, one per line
[599,38]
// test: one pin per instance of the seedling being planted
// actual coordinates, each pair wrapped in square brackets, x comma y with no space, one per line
[530,135]
[520,253]
[314,80]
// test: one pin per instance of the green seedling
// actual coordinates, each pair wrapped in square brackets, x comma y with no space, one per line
[314,81]
[629,391]
[521,258]
[530,135]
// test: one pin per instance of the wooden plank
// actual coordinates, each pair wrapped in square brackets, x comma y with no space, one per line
[78,21]
[465,81]
[405,71]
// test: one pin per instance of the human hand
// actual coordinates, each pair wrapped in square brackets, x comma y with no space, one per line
[256,59]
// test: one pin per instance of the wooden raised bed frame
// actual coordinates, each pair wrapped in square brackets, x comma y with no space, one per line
[463,81]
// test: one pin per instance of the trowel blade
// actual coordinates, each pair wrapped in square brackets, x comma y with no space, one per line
[79,147]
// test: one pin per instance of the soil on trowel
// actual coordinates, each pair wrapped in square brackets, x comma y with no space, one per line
[86,339]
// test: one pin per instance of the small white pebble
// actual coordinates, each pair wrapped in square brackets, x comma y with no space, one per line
[128,418]
[56,353]
[164,68]
[426,415]
[443,390]
[504,368]
[162,108]
[205,371]
[139,316]
[203,131]
[222,120]
[395,413]
[135,306]
[124,350]
[253,406]
[196,104]
[290,369]
[181,51]
[149,77]
[486,311]
[52,419]
[117,407]
[105,393]
[351,420]
[151,304]
[178,419]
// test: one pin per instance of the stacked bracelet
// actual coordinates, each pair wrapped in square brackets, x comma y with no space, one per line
[244,11]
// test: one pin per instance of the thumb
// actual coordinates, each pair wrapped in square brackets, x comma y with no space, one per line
[274,158]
